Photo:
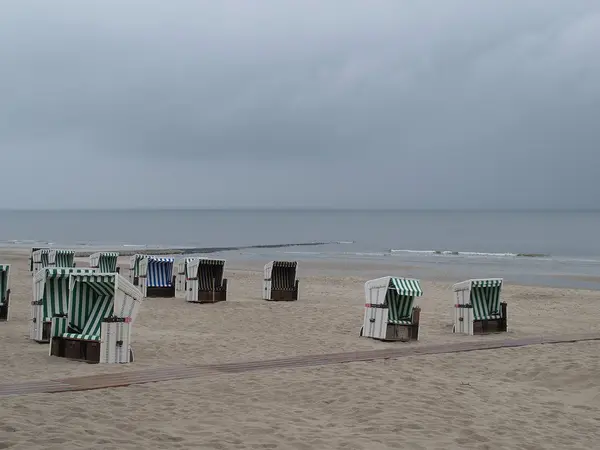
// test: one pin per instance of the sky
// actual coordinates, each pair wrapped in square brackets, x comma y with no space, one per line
[300,103]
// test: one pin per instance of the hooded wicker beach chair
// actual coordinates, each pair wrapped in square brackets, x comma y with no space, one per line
[97,329]
[31,263]
[105,262]
[61,258]
[477,306]
[134,268]
[4,292]
[280,281]
[181,276]
[390,311]
[156,276]
[205,282]
[50,299]
[39,259]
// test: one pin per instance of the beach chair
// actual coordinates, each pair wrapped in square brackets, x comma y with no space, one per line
[39,259]
[105,262]
[156,276]
[180,276]
[50,299]
[477,306]
[134,268]
[61,258]
[205,282]
[390,311]
[97,329]
[280,281]
[4,292]
[31,264]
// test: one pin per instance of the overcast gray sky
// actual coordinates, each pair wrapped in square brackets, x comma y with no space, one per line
[467,103]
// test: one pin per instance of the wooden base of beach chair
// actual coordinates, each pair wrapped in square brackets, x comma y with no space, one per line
[4,307]
[492,326]
[404,333]
[166,292]
[76,349]
[211,296]
[46,328]
[284,295]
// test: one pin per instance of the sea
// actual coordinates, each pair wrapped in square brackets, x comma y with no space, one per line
[550,248]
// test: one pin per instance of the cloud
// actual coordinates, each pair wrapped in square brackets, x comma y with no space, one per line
[363,101]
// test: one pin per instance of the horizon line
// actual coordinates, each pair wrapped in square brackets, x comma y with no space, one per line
[296,208]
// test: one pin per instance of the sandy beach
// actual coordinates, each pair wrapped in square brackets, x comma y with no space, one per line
[535,397]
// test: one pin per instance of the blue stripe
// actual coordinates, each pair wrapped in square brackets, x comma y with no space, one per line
[160,272]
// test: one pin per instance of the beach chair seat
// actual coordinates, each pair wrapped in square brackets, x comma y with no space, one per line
[279,281]
[205,282]
[390,310]
[4,292]
[478,308]
[97,329]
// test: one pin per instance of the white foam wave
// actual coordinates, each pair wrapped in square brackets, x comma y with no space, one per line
[455,253]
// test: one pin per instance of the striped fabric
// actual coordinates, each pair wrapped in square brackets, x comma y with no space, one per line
[105,262]
[407,286]
[32,259]
[59,326]
[485,298]
[56,290]
[4,272]
[64,258]
[134,264]
[210,274]
[41,256]
[91,300]
[283,275]
[400,298]
[160,272]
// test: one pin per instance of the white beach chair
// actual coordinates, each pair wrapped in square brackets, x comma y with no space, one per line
[477,306]
[50,299]
[390,311]
[105,261]
[280,281]
[4,292]
[155,275]
[39,259]
[97,329]
[61,258]
[205,282]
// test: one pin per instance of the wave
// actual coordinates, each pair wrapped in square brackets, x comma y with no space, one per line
[480,254]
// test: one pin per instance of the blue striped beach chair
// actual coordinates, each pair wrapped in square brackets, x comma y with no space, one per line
[478,307]
[156,276]
[391,313]
[97,329]
[4,292]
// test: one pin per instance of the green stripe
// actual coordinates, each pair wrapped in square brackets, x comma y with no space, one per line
[4,272]
[407,286]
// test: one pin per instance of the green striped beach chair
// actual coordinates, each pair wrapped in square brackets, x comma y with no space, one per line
[105,262]
[39,260]
[390,310]
[279,282]
[4,292]
[134,268]
[61,258]
[33,250]
[477,306]
[97,329]
[50,299]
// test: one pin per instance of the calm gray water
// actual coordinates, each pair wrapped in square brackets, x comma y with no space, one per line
[469,243]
